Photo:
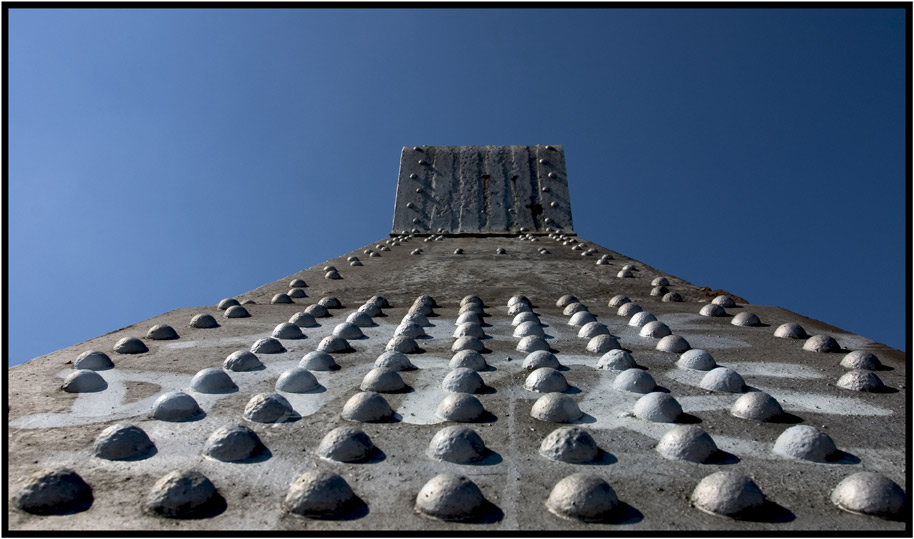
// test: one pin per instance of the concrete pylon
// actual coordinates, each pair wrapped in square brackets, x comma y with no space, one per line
[483,264]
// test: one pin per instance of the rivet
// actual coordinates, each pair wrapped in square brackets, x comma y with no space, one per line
[687,442]
[723,380]
[806,443]
[556,408]
[414,176]
[757,406]
[233,443]
[728,494]
[320,494]
[552,175]
[869,493]
[450,497]
[634,380]
[570,444]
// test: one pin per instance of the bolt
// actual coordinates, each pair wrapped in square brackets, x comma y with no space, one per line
[414,176]
[552,175]
[423,162]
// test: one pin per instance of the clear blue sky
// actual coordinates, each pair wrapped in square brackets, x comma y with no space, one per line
[170,158]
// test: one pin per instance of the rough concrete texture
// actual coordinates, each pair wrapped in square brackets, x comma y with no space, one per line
[48,427]
[482,189]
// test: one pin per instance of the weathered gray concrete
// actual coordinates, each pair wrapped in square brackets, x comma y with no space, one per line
[50,428]
[482,189]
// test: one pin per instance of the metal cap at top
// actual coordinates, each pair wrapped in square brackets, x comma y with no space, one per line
[482,190]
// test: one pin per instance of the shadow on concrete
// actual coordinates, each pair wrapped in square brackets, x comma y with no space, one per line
[723,458]
[687,419]
[770,512]
[491,459]
[786,418]
[262,456]
[151,452]
[404,389]
[294,417]
[375,457]
[261,367]
[843,457]
[213,508]
[584,419]
[625,514]
[198,417]
[316,390]
[356,509]
[605,458]
[489,513]
[233,389]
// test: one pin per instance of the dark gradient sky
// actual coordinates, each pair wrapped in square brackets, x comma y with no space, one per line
[170,158]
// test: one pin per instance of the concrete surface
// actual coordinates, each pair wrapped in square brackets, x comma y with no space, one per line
[48,427]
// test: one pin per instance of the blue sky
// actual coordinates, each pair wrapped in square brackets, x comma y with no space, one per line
[173,157]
